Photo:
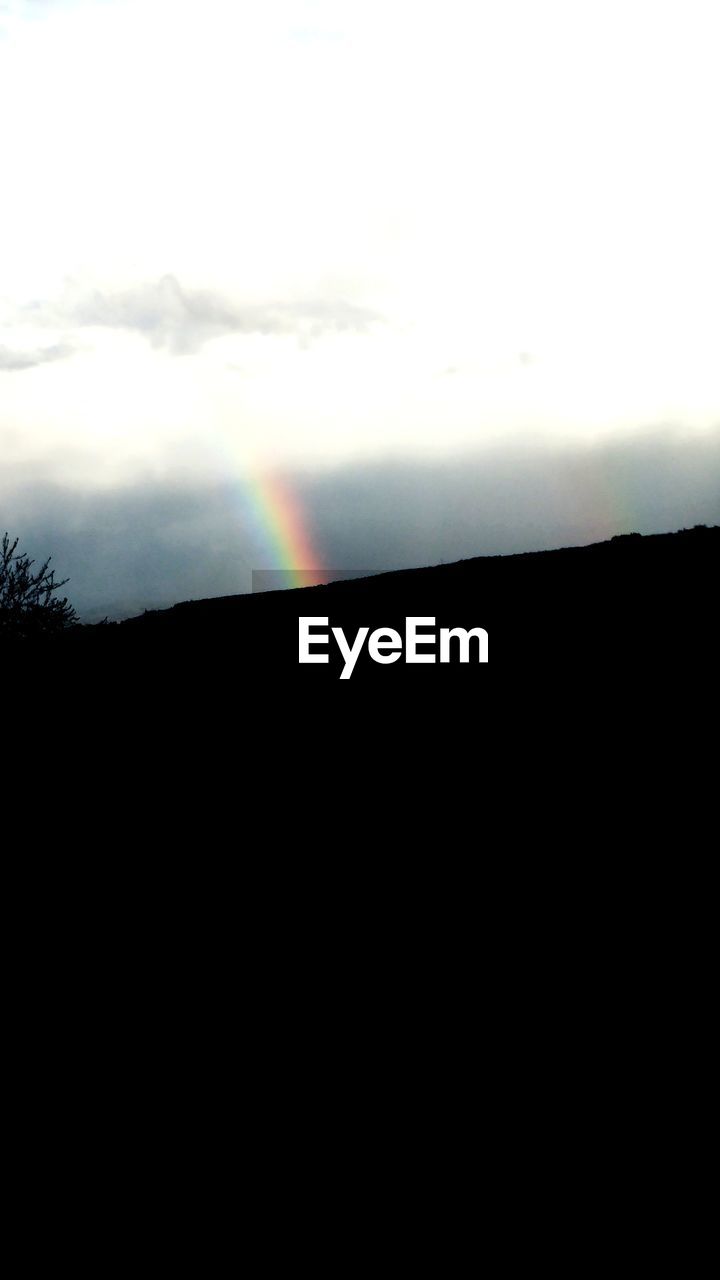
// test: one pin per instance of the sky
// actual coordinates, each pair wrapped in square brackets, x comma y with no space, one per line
[342,239]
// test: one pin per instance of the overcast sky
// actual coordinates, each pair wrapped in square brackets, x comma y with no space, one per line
[247,234]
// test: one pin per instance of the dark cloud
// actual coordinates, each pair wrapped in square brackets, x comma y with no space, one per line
[13,360]
[182,320]
[153,544]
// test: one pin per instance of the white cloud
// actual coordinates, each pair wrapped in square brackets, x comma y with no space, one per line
[490,177]
[183,320]
[13,360]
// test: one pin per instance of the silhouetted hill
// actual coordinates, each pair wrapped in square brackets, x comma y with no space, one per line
[629,605]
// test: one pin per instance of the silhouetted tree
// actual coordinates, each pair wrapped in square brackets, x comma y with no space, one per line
[28,606]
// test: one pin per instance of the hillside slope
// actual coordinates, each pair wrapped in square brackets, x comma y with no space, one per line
[627,604]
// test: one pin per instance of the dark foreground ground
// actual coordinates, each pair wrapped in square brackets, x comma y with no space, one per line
[504,876]
[631,606]
[570,769]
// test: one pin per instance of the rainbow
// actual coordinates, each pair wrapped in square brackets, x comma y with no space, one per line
[283,528]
